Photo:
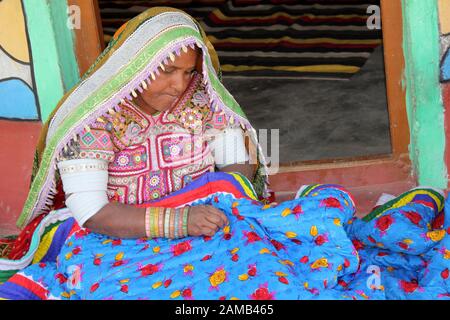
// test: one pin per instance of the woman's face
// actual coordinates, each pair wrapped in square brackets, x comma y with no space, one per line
[170,84]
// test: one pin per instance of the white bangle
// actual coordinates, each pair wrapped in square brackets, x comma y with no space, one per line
[81,175]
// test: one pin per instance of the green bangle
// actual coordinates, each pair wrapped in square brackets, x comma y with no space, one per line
[185,220]
[175,223]
[166,222]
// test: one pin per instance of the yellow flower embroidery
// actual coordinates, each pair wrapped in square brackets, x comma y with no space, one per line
[320,263]
[291,234]
[188,267]
[218,277]
[119,256]
[436,235]
[314,231]
[243,277]
[286,212]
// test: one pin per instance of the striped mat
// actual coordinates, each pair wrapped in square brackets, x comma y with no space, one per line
[273,38]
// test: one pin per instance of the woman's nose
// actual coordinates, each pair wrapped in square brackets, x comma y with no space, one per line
[179,83]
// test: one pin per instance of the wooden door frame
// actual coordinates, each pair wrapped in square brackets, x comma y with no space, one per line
[354,172]
[89,38]
[366,170]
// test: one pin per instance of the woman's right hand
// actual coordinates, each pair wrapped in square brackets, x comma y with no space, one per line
[205,220]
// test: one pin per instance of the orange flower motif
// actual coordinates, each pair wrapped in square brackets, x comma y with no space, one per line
[218,277]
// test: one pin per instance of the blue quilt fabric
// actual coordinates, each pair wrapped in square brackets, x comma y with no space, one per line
[308,248]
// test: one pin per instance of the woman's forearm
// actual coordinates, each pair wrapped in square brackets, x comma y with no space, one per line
[127,221]
[118,220]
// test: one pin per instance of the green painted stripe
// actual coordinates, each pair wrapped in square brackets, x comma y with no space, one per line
[65,43]
[423,92]
[52,51]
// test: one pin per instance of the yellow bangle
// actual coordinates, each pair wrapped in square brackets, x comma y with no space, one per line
[166,222]
[155,222]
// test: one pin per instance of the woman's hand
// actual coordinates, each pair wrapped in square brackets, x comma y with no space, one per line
[205,220]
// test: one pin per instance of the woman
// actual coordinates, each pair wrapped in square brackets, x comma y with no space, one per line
[144,107]
[148,118]
[160,133]
[133,148]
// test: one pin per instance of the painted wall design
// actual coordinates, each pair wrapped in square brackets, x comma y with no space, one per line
[444,29]
[16,72]
[444,22]
[37,65]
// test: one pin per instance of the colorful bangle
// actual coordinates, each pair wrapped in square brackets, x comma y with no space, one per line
[150,222]
[180,223]
[155,222]
[176,223]
[185,221]
[181,230]
[147,222]
[166,222]
[154,217]
[161,222]
[171,224]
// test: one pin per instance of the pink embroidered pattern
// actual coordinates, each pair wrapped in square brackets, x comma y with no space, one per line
[155,155]
[96,144]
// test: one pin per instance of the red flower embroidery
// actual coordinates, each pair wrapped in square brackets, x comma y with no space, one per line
[262,293]
[384,223]
[181,248]
[409,287]
[444,274]
[414,217]
[331,203]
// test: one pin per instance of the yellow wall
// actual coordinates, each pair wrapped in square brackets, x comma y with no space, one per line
[444,16]
[13,37]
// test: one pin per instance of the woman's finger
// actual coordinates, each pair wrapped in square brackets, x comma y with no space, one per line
[215,219]
[208,232]
[219,213]
[209,225]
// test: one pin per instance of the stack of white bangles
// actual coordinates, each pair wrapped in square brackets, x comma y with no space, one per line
[228,147]
[85,182]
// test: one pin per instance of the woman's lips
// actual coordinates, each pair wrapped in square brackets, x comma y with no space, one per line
[172,96]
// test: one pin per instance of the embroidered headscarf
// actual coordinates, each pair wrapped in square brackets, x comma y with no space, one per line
[134,55]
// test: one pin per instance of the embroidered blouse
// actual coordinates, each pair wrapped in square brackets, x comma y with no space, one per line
[149,156]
